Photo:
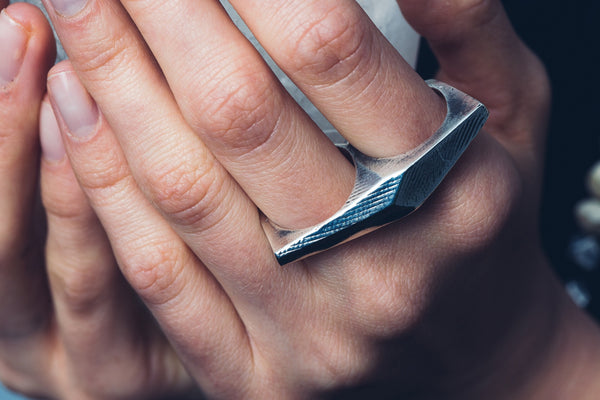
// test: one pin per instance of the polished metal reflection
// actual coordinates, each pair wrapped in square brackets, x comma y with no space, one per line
[387,189]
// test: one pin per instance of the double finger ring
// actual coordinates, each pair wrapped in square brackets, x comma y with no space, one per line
[387,189]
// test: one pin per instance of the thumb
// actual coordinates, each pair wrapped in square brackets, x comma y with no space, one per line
[480,53]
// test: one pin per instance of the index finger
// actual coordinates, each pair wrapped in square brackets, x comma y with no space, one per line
[25,58]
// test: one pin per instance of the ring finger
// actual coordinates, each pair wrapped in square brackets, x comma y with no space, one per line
[336,56]
[230,98]
[97,317]
[249,122]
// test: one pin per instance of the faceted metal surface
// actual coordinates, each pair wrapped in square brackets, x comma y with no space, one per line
[387,189]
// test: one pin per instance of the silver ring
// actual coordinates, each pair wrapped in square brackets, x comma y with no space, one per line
[387,189]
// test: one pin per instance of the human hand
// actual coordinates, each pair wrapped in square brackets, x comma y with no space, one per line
[195,136]
[63,309]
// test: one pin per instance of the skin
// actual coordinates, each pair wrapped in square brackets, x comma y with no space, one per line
[192,136]
[54,336]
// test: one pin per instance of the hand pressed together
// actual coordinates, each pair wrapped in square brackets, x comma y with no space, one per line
[180,137]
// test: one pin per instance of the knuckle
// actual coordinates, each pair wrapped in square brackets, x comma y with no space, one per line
[187,191]
[69,205]
[331,48]
[393,307]
[62,209]
[99,57]
[479,212]
[80,289]
[242,110]
[154,271]
[102,172]
[334,362]
[104,177]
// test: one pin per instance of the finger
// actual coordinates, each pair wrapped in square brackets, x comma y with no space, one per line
[98,318]
[172,166]
[257,131]
[188,186]
[480,53]
[27,51]
[337,56]
[191,307]
[331,50]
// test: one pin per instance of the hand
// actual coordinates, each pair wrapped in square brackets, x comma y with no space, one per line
[187,135]
[63,336]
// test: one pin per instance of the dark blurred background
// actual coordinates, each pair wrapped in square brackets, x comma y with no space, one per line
[565,36]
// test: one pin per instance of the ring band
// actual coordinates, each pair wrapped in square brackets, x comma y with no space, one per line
[387,189]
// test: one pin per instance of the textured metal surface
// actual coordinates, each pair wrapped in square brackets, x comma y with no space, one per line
[387,189]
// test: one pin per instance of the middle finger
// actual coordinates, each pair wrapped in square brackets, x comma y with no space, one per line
[239,108]
[232,100]
[169,163]
[330,49]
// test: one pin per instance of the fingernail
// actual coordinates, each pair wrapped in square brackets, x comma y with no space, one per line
[51,141]
[76,106]
[13,41]
[68,8]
